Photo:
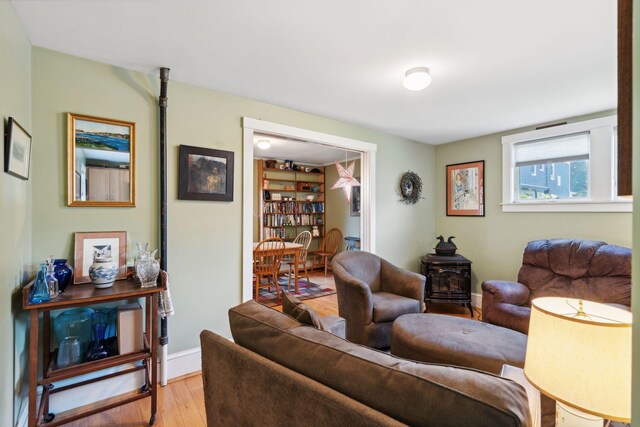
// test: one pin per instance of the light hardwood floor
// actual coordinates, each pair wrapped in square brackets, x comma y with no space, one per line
[181,402]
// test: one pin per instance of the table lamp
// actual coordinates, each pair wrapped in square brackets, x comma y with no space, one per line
[579,353]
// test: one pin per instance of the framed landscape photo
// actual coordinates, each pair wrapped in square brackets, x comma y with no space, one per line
[465,189]
[205,174]
[100,161]
[17,150]
[103,243]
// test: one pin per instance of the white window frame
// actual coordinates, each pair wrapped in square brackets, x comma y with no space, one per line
[602,183]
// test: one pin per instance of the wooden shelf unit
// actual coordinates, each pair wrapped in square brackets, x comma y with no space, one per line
[79,296]
[286,218]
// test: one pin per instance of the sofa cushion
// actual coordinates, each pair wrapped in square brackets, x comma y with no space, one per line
[387,307]
[411,392]
[295,308]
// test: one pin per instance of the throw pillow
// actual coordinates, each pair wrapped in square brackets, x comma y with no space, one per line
[295,308]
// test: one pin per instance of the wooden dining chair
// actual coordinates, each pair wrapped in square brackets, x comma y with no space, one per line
[328,248]
[303,239]
[267,257]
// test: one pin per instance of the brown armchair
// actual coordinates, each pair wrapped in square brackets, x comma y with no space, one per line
[372,293]
[586,269]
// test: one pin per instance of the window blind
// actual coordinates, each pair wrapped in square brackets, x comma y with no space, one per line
[565,148]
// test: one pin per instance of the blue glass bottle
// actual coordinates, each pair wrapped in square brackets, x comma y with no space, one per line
[40,289]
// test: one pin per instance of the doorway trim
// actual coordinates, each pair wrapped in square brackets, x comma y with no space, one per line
[367,177]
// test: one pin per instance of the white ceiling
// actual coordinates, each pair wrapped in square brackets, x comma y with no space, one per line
[496,64]
[307,153]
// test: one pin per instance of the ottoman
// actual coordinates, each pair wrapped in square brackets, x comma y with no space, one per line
[436,338]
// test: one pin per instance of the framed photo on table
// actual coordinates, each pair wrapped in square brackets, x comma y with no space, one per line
[103,243]
[17,150]
[465,189]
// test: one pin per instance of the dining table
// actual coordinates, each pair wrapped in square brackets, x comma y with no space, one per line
[290,248]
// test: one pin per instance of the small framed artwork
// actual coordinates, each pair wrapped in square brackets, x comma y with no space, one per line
[354,203]
[205,174]
[103,243]
[465,189]
[17,150]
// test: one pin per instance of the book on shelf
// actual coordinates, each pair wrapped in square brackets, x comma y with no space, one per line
[130,329]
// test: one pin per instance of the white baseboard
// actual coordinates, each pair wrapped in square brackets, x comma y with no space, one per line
[184,362]
[180,363]
[476,300]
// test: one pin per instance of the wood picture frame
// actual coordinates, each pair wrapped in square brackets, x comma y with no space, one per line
[100,161]
[465,189]
[17,150]
[205,174]
[87,244]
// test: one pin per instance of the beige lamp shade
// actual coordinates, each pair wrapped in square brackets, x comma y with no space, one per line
[581,359]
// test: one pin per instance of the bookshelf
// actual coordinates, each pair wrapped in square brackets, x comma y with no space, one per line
[291,201]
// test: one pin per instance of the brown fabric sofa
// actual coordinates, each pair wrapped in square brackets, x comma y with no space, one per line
[372,293]
[584,269]
[279,372]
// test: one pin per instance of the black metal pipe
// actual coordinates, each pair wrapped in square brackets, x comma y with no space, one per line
[162,102]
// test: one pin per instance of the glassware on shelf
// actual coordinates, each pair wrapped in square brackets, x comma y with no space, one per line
[148,269]
[52,282]
[98,350]
[40,289]
[63,273]
[137,259]
[75,322]
[69,352]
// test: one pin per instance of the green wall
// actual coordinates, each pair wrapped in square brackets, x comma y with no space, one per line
[338,210]
[16,263]
[204,237]
[496,241]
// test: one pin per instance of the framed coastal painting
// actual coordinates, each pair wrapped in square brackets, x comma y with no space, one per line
[205,174]
[99,243]
[465,189]
[100,161]
[17,150]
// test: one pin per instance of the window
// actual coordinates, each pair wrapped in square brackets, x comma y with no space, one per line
[563,168]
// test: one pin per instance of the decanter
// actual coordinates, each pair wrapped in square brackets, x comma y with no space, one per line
[148,268]
[52,282]
[40,290]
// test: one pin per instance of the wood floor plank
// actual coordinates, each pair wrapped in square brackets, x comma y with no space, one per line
[187,407]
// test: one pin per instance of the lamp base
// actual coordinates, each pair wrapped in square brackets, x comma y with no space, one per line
[567,416]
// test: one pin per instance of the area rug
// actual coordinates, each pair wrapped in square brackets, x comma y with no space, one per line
[305,291]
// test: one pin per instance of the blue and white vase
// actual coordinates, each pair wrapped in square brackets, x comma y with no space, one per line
[103,272]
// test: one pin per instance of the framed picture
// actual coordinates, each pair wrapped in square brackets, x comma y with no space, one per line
[205,174]
[465,189]
[100,161]
[354,203]
[104,243]
[17,150]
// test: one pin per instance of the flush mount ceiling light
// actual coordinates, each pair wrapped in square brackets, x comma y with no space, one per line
[417,78]
[264,144]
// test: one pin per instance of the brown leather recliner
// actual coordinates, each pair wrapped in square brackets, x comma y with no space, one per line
[372,293]
[586,269]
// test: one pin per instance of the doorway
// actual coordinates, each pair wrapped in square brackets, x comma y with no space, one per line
[253,127]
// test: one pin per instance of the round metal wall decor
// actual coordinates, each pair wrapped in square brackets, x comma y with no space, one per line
[410,188]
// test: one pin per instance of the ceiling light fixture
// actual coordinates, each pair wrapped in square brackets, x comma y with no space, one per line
[417,78]
[264,144]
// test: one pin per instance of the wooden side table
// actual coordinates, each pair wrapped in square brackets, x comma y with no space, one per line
[448,279]
[78,296]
